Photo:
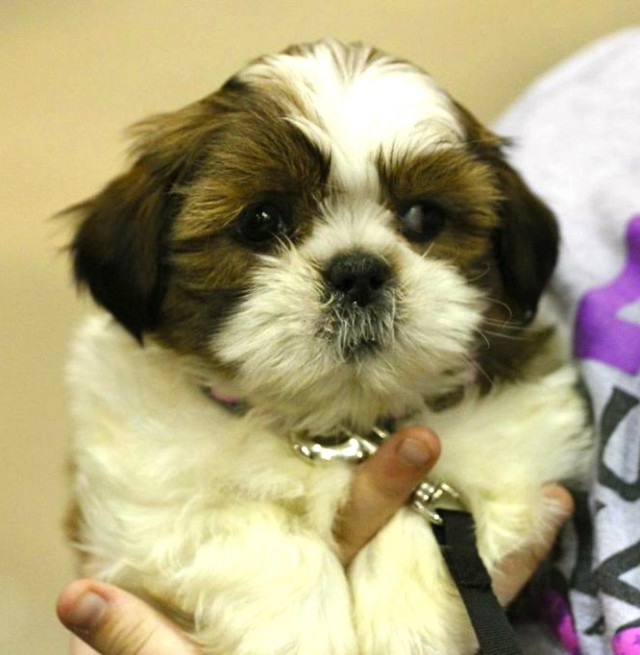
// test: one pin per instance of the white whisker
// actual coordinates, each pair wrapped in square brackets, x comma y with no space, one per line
[480,275]
[484,338]
[501,335]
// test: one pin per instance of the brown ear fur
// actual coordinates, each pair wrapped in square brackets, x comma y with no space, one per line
[526,244]
[117,248]
[118,251]
[527,239]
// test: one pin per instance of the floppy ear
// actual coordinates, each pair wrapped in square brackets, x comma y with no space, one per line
[527,238]
[118,248]
[526,243]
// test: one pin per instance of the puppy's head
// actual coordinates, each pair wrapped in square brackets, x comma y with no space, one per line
[330,230]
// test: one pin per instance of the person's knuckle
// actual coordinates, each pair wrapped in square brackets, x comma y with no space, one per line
[131,638]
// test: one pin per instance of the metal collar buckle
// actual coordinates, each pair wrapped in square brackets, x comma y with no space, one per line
[348,446]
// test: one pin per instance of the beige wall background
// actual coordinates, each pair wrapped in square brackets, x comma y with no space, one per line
[73,74]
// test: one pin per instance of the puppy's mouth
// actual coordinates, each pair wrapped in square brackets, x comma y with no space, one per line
[359,331]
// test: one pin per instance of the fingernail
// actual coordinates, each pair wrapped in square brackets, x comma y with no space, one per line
[413,452]
[86,613]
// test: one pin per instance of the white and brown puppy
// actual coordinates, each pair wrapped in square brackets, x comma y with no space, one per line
[333,240]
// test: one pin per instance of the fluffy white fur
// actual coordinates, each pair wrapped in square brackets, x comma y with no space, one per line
[355,108]
[184,501]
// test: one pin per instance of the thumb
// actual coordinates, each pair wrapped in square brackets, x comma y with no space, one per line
[114,622]
[382,484]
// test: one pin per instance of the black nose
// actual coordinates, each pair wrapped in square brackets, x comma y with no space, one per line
[359,277]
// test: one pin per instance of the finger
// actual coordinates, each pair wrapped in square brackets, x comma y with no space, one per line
[382,484]
[113,622]
[517,569]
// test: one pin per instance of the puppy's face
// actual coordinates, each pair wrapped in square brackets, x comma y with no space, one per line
[329,230]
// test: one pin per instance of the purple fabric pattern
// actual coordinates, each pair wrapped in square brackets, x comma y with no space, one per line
[601,333]
[556,613]
[626,642]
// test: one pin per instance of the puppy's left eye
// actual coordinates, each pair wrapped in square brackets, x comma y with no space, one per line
[422,221]
[261,223]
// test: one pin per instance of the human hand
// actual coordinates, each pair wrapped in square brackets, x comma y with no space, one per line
[113,622]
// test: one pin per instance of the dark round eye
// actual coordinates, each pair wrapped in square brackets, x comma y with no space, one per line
[422,221]
[263,222]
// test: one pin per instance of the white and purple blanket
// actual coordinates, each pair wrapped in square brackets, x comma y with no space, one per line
[577,141]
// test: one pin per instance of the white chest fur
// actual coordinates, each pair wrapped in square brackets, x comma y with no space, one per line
[212,514]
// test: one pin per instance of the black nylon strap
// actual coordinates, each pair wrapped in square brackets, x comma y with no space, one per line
[456,537]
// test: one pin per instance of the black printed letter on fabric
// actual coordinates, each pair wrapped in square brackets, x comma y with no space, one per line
[618,407]
[610,572]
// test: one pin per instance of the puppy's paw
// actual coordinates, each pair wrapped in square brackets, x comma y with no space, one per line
[257,584]
[278,623]
[499,451]
[405,602]
[269,635]
[509,524]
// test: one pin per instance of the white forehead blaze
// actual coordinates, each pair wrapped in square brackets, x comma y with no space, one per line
[356,107]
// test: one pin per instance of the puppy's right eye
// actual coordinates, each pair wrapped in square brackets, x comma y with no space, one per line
[261,223]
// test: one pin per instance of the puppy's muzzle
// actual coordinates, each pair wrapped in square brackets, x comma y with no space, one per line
[360,311]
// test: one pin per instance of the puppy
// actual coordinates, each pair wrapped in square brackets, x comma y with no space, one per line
[326,242]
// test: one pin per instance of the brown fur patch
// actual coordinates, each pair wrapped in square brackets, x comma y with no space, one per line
[524,246]
[526,239]
[253,155]
[158,247]
[462,187]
